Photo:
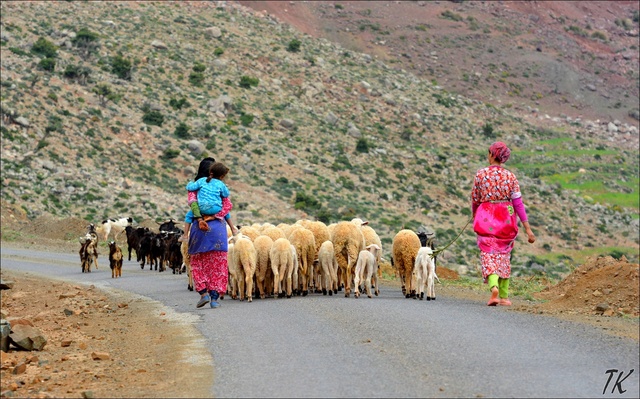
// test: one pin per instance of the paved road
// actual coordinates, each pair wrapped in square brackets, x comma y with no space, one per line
[389,346]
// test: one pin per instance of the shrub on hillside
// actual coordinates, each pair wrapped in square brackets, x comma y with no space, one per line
[247,82]
[121,67]
[246,119]
[86,42]
[198,67]
[152,117]
[182,130]
[294,46]
[18,51]
[362,145]
[487,130]
[47,64]
[196,78]
[104,93]
[170,153]
[448,14]
[179,104]
[44,48]
[77,73]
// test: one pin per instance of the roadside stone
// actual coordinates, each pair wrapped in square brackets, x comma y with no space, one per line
[601,307]
[88,394]
[15,321]
[68,312]
[27,338]
[6,284]
[5,330]
[100,356]
[67,295]
[19,369]
[65,343]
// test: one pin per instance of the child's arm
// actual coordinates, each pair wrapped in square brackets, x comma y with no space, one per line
[195,185]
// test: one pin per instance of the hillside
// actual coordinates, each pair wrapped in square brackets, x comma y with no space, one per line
[541,57]
[108,108]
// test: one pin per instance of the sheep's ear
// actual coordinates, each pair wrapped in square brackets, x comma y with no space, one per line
[365,223]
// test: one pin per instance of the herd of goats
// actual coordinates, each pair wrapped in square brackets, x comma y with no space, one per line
[283,260]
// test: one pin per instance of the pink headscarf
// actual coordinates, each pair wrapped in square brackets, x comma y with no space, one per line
[500,151]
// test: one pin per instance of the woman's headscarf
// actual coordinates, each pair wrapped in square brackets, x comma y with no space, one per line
[500,151]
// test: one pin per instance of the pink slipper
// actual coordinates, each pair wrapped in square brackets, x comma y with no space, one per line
[505,302]
[494,297]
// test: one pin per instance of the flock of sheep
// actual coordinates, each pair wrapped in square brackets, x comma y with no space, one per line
[293,259]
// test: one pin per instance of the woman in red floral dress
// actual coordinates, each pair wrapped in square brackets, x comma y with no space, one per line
[208,249]
[496,200]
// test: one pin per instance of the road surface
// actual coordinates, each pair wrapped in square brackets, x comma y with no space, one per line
[387,346]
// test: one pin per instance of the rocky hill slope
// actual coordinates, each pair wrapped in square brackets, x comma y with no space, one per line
[546,57]
[108,108]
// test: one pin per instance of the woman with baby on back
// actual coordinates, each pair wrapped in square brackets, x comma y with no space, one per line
[210,205]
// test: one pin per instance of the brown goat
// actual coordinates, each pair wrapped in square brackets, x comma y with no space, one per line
[88,252]
[115,259]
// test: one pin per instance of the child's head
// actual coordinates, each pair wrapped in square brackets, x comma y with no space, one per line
[218,171]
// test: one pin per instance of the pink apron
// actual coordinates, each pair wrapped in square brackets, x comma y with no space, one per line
[496,225]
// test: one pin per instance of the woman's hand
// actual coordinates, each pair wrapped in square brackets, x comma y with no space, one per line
[532,237]
[527,227]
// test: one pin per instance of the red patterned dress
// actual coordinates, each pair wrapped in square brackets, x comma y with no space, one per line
[495,221]
[209,266]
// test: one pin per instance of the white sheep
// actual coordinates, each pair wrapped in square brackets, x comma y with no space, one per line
[366,269]
[329,266]
[244,265]
[348,241]
[232,284]
[320,235]
[251,232]
[273,232]
[282,263]
[424,272]
[296,266]
[305,246]
[263,246]
[404,251]
[371,237]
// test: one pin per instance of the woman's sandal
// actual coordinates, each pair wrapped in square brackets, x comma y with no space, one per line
[505,302]
[494,297]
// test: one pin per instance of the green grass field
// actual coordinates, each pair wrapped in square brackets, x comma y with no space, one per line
[609,176]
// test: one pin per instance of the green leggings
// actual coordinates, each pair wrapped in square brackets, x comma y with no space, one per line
[501,283]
